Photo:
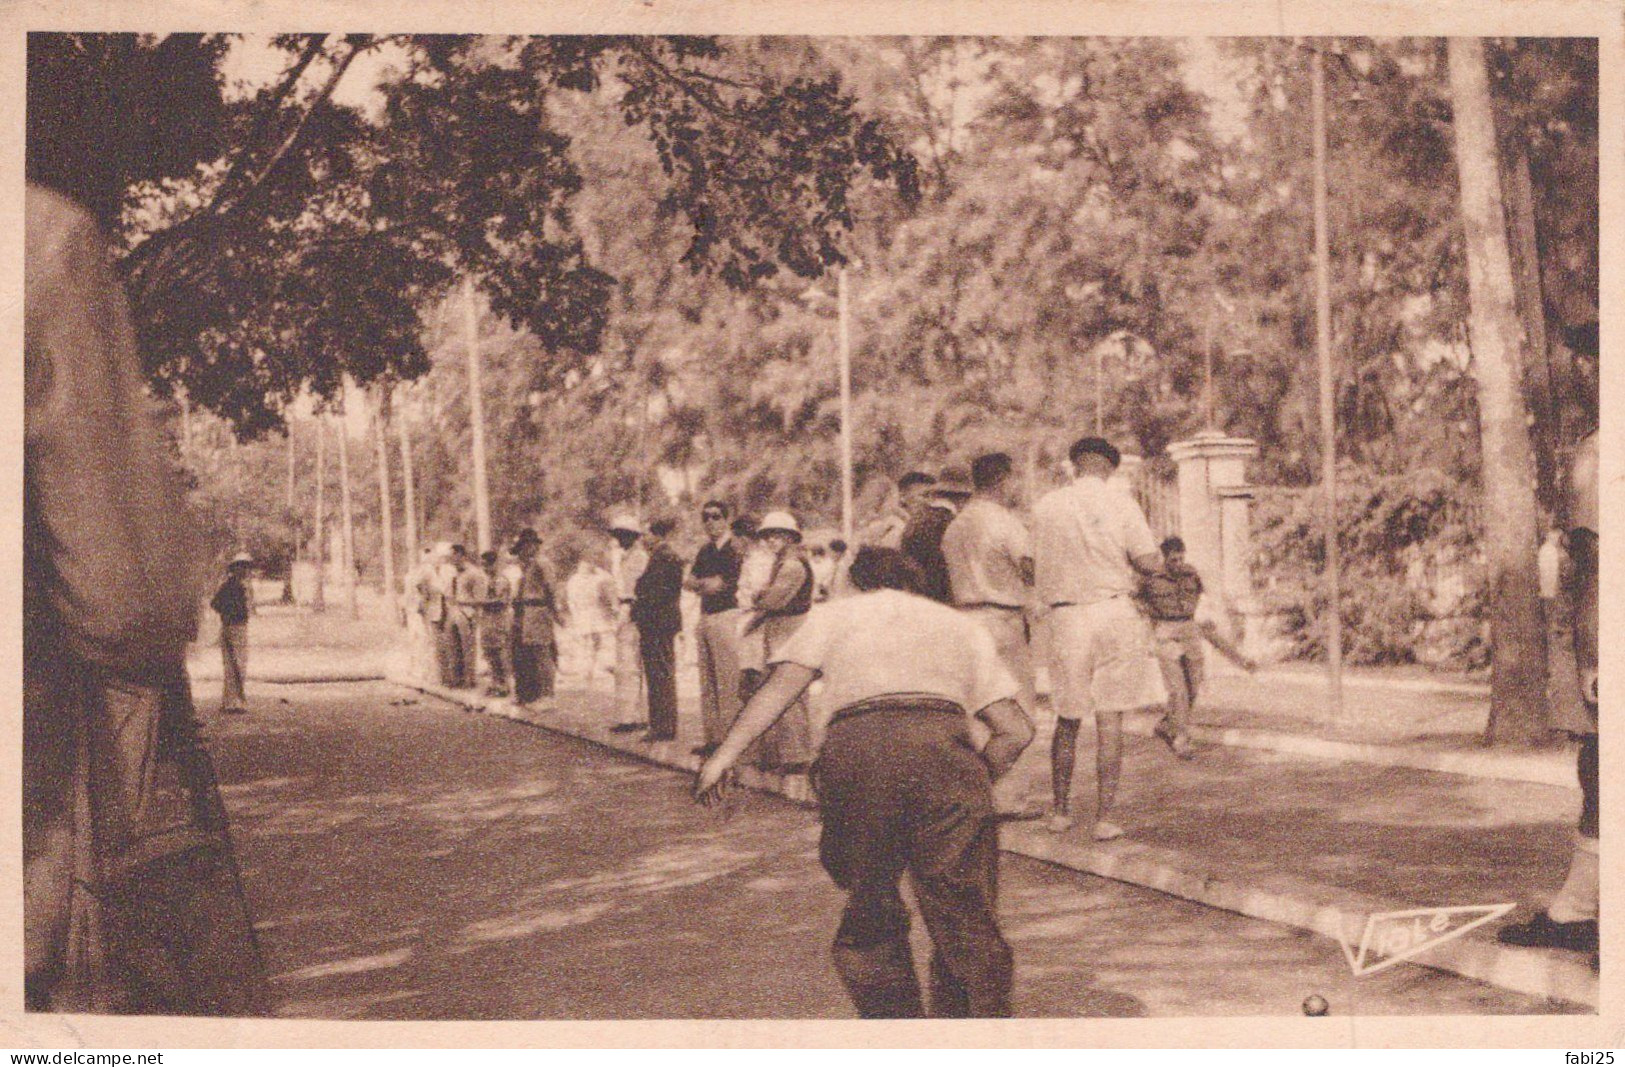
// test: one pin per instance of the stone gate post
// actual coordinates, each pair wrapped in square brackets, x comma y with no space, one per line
[1215,505]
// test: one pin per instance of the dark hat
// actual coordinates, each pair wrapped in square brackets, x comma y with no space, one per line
[954,481]
[526,537]
[662,526]
[488,557]
[1582,339]
[1095,446]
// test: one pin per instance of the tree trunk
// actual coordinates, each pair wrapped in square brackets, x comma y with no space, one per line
[293,556]
[409,484]
[1518,639]
[348,514]
[386,513]
[1543,378]
[318,599]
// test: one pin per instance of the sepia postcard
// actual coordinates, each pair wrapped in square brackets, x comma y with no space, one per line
[825,524]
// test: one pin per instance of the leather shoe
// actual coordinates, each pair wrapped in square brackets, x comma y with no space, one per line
[1542,931]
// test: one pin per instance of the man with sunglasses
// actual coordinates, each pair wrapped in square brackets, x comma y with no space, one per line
[715,577]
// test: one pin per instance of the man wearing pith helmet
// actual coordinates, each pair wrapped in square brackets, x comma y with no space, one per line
[780,608]
[233,602]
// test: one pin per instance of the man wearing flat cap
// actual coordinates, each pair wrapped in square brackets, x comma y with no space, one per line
[657,613]
[1091,544]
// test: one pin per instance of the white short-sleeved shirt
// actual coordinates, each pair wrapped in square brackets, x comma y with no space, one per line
[984,547]
[1083,537]
[626,567]
[888,643]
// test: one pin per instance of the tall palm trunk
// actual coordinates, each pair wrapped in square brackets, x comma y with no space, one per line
[1518,684]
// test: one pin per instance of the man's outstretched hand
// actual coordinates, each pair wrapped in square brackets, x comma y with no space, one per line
[711,785]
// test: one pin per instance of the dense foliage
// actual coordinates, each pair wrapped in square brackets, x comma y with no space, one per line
[1038,234]
[1413,580]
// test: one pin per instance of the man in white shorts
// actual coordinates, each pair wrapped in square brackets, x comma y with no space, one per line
[1090,546]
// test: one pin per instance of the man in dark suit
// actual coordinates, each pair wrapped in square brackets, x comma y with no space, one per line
[658,616]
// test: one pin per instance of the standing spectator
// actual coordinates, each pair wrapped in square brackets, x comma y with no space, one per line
[840,562]
[778,612]
[420,631]
[658,615]
[431,591]
[496,624]
[464,601]
[886,531]
[442,576]
[535,660]
[232,602]
[901,786]
[131,903]
[1091,543]
[715,576]
[754,571]
[1570,918]
[922,538]
[989,556]
[589,595]
[822,562]
[626,562]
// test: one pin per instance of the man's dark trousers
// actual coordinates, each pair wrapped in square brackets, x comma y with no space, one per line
[533,670]
[903,790]
[659,650]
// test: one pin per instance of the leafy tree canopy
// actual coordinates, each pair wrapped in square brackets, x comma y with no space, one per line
[286,241]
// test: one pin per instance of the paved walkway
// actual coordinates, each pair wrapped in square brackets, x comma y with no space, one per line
[408,862]
[1319,844]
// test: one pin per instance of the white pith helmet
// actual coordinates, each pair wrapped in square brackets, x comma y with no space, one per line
[781,521]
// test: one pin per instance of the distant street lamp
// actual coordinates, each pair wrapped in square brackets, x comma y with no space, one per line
[843,302]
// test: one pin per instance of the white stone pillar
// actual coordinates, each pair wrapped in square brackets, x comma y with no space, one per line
[1214,511]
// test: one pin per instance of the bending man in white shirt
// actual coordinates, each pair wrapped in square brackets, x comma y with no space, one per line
[899,785]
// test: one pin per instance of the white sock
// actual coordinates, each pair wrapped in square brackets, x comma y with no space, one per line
[1577,900]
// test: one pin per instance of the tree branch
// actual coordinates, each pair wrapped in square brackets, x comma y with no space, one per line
[200,226]
[708,101]
[321,97]
[267,116]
